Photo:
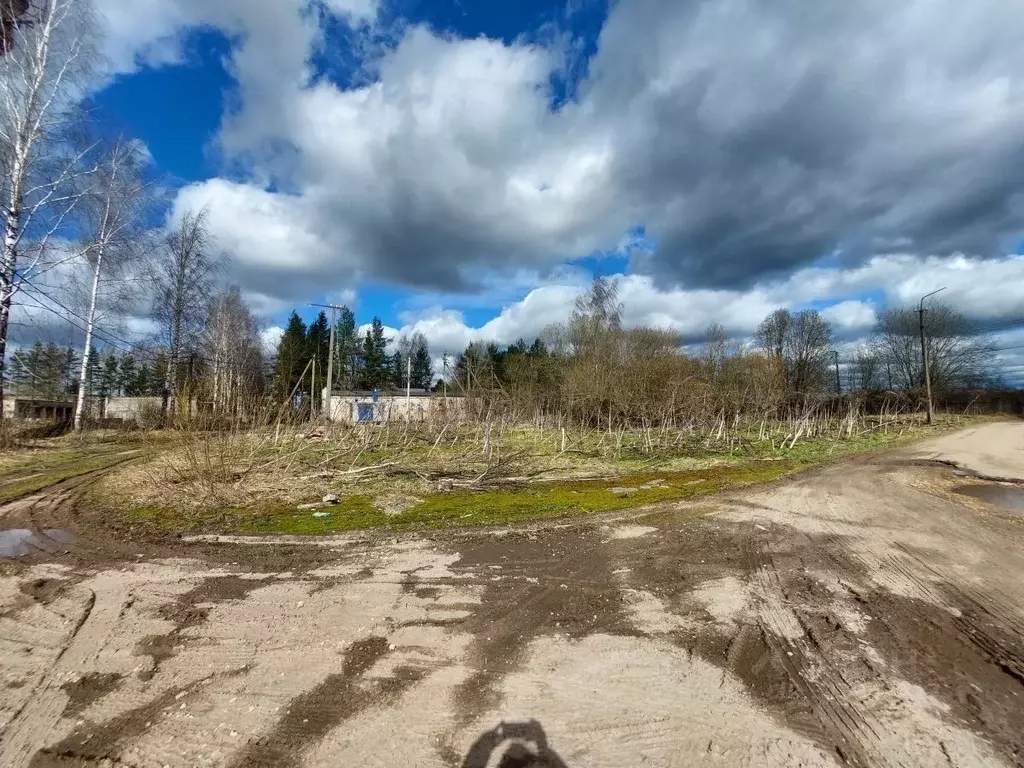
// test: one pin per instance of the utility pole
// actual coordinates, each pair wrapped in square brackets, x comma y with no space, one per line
[924,356]
[328,408]
[408,385]
[444,376]
[839,384]
[312,392]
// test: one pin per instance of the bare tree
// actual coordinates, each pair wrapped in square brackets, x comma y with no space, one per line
[110,218]
[47,46]
[957,358]
[596,317]
[867,370]
[186,277]
[773,334]
[799,343]
[231,342]
[13,13]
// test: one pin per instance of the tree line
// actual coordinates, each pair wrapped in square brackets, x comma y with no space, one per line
[593,370]
[360,362]
[51,372]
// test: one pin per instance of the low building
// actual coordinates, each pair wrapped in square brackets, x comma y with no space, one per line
[131,408]
[419,406]
[38,409]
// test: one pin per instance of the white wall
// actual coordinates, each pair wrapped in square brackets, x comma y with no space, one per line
[344,409]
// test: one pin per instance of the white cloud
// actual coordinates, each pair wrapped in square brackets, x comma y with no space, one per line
[690,311]
[271,337]
[851,315]
[749,138]
[363,10]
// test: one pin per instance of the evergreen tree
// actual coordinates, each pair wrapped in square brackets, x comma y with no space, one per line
[19,374]
[318,340]
[69,372]
[291,357]
[146,383]
[127,376]
[375,356]
[50,369]
[94,380]
[110,378]
[474,368]
[35,367]
[158,374]
[349,348]
[422,368]
[397,367]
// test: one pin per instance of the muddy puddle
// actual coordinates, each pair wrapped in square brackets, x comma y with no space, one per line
[18,542]
[1008,497]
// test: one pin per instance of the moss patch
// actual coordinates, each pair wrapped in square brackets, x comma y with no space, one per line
[465,507]
[267,504]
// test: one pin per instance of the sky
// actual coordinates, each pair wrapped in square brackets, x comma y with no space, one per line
[463,168]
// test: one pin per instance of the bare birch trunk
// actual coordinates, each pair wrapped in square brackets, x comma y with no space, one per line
[90,322]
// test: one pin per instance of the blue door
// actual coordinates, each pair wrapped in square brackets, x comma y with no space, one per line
[364,412]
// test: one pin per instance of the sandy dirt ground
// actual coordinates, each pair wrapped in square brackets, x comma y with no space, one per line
[868,614]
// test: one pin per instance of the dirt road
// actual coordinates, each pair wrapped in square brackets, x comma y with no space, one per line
[868,614]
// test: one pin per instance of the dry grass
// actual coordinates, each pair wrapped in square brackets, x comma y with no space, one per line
[384,466]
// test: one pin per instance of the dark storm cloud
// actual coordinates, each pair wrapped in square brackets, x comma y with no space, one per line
[749,138]
[758,137]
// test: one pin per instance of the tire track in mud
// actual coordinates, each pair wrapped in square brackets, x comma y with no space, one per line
[925,629]
[980,612]
[852,732]
[566,592]
[52,508]
[44,707]
[675,567]
[101,743]
[310,716]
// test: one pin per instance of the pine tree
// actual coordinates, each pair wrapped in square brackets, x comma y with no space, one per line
[110,378]
[19,374]
[375,356]
[349,348]
[397,368]
[422,368]
[94,375]
[146,383]
[318,339]
[35,367]
[69,373]
[127,373]
[50,370]
[155,375]
[291,357]
[474,368]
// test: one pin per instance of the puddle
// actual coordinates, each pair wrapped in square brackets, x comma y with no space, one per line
[18,542]
[1008,497]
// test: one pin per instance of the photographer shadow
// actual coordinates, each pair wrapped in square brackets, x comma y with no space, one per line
[516,745]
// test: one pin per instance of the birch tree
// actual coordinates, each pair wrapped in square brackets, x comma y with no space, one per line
[110,218]
[47,47]
[233,348]
[187,273]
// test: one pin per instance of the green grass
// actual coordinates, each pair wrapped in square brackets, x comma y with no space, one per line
[465,507]
[689,474]
[31,478]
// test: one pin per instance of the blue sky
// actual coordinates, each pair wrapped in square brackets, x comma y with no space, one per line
[464,168]
[178,110]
